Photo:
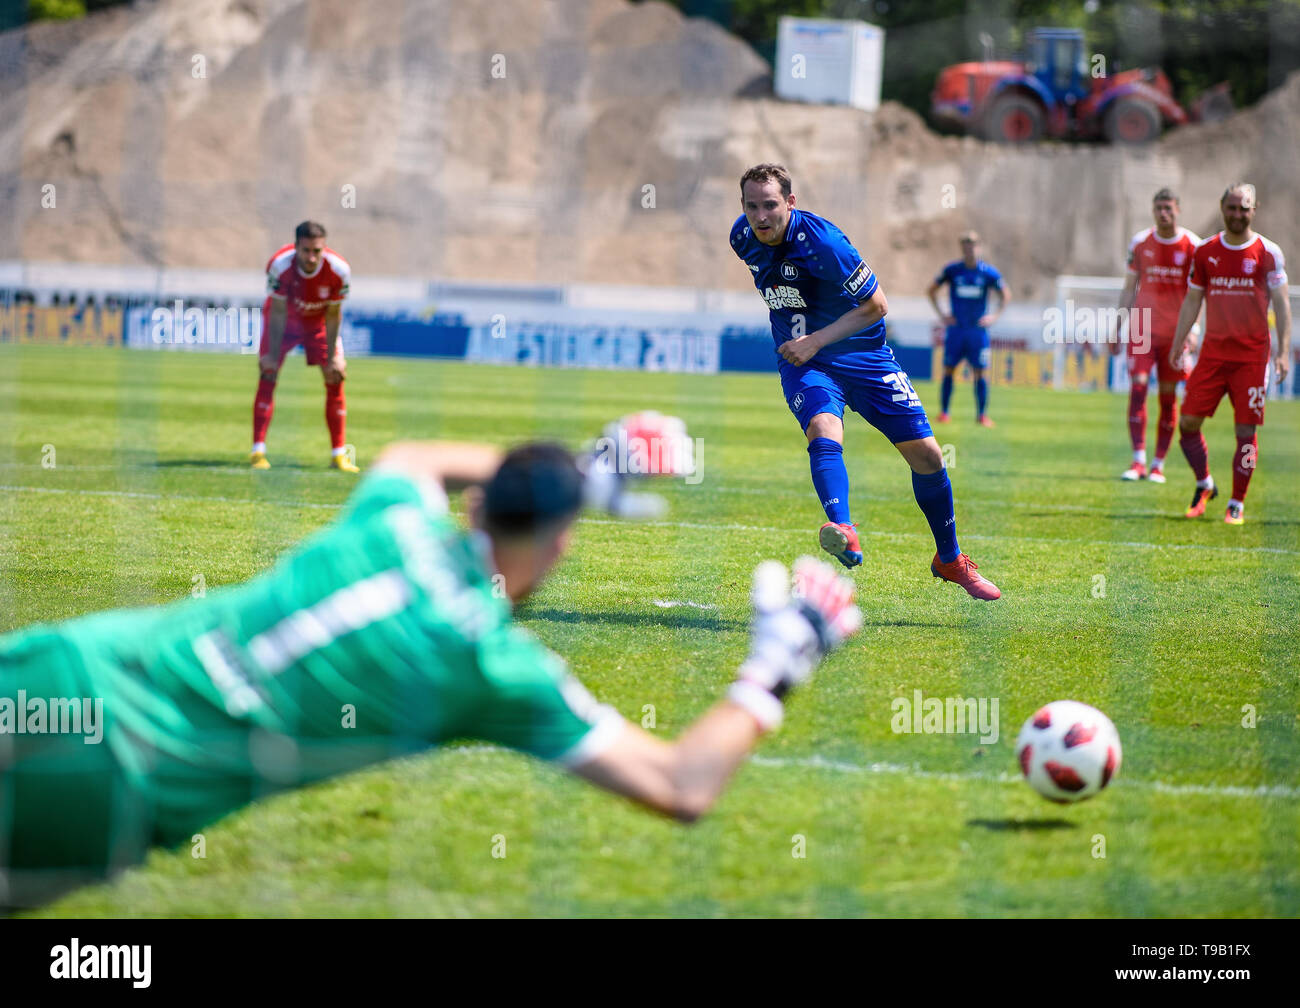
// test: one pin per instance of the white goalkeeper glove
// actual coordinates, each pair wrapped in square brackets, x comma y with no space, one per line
[791,633]
[640,444]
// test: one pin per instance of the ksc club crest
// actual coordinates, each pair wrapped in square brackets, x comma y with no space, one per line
[789,271]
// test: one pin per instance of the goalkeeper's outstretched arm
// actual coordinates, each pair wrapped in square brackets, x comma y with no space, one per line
[684,778]
[454,465]
[790,635]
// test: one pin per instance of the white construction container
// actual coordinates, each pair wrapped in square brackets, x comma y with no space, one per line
[829,62]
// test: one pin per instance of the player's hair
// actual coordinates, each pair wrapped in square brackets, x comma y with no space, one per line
[767,173]
[537,489]
[1166,194]
[1245,188]
[308,229]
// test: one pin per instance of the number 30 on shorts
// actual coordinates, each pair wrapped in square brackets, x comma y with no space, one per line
[905,393]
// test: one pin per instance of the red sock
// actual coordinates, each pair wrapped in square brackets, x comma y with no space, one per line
[1137,415]
[1165,424]
[263,408]
[1243,465]
[1198,456]
[336,413]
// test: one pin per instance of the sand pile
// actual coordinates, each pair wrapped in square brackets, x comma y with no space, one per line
[554,142]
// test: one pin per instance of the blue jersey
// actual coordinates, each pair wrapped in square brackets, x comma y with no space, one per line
[815,273]
[969,287]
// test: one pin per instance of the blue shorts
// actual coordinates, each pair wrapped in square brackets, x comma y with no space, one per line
[968,344]
[869,382]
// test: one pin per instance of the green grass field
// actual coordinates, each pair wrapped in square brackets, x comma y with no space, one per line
[124,483]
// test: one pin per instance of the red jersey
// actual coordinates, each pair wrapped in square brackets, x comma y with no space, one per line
[1161,266]
[307,296]
[1236,281]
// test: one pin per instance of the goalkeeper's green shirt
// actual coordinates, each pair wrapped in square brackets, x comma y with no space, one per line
[381,635]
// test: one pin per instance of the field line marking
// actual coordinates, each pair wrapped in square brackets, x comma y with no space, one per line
[902,770]
[982,538]
[706,526]
[773,491]
[142,495]
[127,467]
[899,769]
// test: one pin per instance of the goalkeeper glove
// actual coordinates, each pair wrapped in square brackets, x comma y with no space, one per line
[791,634]
[646,443]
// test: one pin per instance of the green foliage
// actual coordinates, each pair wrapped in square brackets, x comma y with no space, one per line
[55,10]
[17,12]
[1254,44]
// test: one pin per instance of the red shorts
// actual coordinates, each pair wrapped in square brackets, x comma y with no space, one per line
[1155,361]
[315,344]
[1245,382]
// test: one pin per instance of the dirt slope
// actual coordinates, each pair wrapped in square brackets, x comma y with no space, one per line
[515,141]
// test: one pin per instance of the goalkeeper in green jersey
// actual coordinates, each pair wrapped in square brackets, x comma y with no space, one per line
[384,633]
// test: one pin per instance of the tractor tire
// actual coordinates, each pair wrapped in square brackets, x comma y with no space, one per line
[1014,119]
[1131,121]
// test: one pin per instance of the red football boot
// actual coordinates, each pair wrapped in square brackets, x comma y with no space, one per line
[1200,497]
[962,571]
[841,542]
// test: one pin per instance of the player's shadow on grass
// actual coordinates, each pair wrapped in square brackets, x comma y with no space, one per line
[1073,513]
[646,617]
[225,463]
[1021,825]
[905,623]
[1020,474]
[680,617]
[1210,518]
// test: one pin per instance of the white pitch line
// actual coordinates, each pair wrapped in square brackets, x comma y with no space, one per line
[769,492]
[1135,545]
[983,538]
[167,497]
[775,491]
[901,770]
[897,769]
[705,526]
[224,470]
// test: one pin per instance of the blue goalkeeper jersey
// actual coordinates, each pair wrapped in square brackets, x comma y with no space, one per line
[969,287]
[815,273]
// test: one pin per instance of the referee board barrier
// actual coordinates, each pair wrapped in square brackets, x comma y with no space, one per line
[1085,321]
[1062,345]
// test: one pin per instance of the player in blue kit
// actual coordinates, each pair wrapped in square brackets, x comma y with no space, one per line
[827,313]
[969,281]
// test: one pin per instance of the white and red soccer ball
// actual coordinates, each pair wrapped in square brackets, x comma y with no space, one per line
[1068,751]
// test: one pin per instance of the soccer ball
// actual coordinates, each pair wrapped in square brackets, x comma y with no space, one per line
[1068,751]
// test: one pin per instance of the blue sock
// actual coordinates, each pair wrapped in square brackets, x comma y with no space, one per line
[945,393]
[981,395]
[934,495]
[830,478]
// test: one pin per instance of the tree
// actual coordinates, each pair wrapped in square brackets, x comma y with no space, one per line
[1254,44]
